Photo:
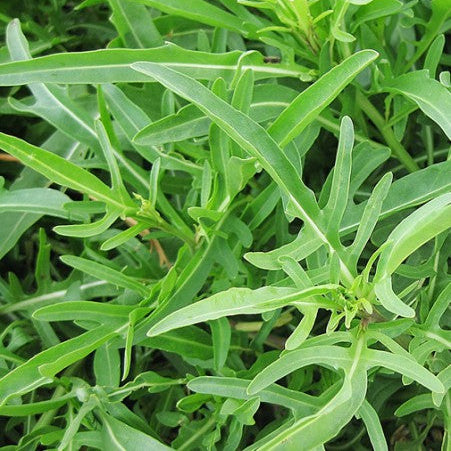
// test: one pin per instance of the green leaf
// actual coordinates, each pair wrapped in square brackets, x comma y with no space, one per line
[13,227]
[115,174]
[91,229]
[329,356]
[191,343]
[42,271]
[248,134]
[231,387]
[34,408]
[114,66]
[103,272]
[131,118]
[435,51]
[120,436]
[303,329]
[419,402]
[134,25]
[154,182]
[123,237]
[58,169]
[309,104]
[375,10]
[204,12]
[237,301]
[76,421]
[221,334]
[430,95]
[190,122]
[41,201]
[162,158]
[153,382]
[406,366]
[316,429]
[243,92]
[373,426]
[9,356]
[440,13]
[418,228]
[191,403]
[390,300]
[107,365]
[83,310]
[338,199]
[187,283]
[40,369]
[370,217]
[253,139]
[439,308]
[407,192]
[52,103]
[243,411]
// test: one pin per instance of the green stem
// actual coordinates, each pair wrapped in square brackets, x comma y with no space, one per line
[433,279]
[44,299]
[203,430]
[334,127]
[155,221]
[47,417]
[435,24]
[386,131]
[429,144]
[422,158]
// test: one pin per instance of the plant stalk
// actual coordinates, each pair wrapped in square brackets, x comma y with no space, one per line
[387,132]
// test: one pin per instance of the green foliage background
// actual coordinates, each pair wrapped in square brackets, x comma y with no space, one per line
[225,224]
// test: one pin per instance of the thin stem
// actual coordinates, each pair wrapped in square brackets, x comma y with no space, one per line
[199,433]
[433,279]
[163,259]
[428,37]
[429,144]
[47,417]
[422,158]
[334,127]
[37,301]
[387,132]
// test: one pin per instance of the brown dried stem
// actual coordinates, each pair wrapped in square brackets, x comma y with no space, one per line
[7,157]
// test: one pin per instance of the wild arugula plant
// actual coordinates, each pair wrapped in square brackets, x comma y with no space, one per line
[227,229]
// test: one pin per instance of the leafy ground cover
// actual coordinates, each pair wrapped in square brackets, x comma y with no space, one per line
[225,225]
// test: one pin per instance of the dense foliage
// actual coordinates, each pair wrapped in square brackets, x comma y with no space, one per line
[224,224]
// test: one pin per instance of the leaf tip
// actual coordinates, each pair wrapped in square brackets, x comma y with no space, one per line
[106,246]
[36,315]
[372,54]
[65,258]
[252,389]
[152,332]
